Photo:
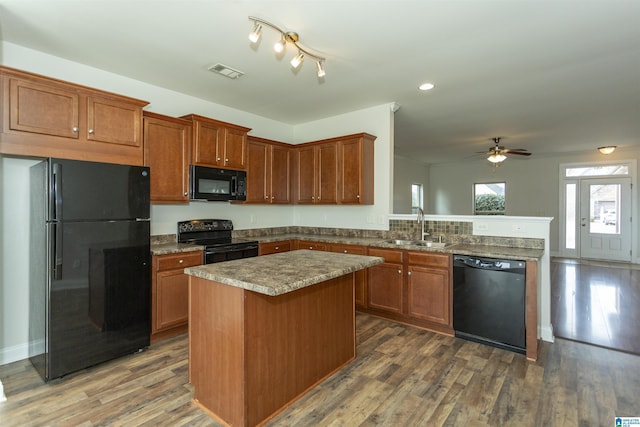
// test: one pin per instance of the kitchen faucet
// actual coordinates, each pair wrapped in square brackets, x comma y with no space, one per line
[420,219]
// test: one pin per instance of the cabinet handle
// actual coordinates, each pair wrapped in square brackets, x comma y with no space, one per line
[75,129]
[181,261]
[90,131]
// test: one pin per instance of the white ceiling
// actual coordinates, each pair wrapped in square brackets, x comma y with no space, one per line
[549,76]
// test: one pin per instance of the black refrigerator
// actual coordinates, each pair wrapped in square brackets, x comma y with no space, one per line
[90,264]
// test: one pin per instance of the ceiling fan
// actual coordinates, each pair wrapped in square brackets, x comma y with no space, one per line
[497,152]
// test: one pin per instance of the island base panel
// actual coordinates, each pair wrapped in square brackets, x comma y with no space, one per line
[251,354]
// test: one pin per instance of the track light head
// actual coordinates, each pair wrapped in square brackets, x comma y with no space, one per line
[279,45]
[320,67]
[255,34]
[297,60]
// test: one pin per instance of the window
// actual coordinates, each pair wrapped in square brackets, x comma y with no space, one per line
[489,198]
[416,198]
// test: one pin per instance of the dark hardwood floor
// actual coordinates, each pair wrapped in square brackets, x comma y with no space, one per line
[402,376]
[596,303]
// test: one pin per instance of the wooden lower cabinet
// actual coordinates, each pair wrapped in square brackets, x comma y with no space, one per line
[170,293]
[310,245]
[411,287]
[268,248]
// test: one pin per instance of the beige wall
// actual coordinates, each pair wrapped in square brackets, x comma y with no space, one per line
[405,173]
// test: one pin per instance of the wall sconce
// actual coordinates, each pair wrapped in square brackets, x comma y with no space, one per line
[607,150]
[286,37]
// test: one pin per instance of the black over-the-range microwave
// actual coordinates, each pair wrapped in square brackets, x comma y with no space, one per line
[213,184]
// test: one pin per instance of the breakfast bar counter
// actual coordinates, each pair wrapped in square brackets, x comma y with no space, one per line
[265,330]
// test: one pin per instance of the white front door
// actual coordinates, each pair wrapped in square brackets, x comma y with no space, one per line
[605,219]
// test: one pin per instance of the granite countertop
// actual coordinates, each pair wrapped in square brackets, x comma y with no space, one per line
[490,251]
[173,248]
[284,272]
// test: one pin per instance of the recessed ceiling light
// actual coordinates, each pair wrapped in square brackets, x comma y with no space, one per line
[426,86]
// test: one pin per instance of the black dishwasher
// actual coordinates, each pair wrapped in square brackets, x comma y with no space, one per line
[489,301]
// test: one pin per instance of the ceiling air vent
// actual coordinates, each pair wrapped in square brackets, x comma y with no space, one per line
[226,71]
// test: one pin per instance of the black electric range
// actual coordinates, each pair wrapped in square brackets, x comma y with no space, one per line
[215,236]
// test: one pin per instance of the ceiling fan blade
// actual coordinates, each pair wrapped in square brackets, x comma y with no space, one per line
[516,149]
[519,153]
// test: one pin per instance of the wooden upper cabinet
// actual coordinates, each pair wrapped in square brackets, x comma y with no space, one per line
[268,171]
[316,173]
[45,117]
[218,144]
[335,171]
[356,169]
[167,151]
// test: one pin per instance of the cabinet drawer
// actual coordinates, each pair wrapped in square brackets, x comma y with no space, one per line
[429,259]
[389,255]
[176,261]
[275,247]
[348,249]
[314,246]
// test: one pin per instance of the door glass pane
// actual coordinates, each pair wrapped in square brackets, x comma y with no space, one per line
[570,218]
[598,170]
[604,208]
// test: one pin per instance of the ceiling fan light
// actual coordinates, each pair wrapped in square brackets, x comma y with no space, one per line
[254,36]
[497,158]
[297,60]
[607,150]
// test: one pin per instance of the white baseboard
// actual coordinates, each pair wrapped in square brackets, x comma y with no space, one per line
[546,333]
[14,353]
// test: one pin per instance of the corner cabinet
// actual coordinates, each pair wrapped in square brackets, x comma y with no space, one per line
[335,171]
[268,171]
[167,152]
[218,144]
[170,293]
[45,117]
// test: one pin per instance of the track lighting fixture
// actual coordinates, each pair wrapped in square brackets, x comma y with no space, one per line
[286,37]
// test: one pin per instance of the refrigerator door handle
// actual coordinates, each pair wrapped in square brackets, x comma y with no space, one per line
[57,251]
[56,191]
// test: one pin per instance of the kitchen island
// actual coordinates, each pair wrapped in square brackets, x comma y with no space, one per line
[263,331]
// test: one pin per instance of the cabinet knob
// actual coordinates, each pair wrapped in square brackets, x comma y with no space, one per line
[357,196]
[399,271]
[310,247]
[313,198]
[181,261]
[186,194]
[277,247]
[346,251]
[75,129]
[91,132]
[272,197]
[266,197]
[409,274]
[219,158]
[226,160]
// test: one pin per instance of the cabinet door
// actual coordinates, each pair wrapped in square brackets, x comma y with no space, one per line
[114,122]
[385,287]
[44,109]
[356,170]
[172,302]
[305,175]
[429,296]
[257,158]
[280,174]
[327,171]
[207,147]
[235,148]
[167,147]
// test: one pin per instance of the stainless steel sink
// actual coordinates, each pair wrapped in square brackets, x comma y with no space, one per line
[435,245]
